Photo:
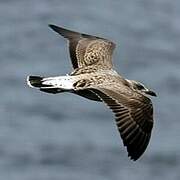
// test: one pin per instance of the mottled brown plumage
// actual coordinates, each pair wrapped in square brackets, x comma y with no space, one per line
[93,77]
[86,50]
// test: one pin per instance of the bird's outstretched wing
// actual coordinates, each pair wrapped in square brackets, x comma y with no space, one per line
[86,50]
[134,118]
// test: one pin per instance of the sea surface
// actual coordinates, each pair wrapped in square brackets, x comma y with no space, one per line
[66,137]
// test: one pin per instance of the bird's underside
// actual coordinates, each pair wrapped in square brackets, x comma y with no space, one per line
[94,78]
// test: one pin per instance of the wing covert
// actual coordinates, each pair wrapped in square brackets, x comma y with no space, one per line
[86,50]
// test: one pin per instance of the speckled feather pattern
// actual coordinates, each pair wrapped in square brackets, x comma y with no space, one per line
[93,77]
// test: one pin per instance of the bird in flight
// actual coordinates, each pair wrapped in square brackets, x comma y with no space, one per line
[93,77]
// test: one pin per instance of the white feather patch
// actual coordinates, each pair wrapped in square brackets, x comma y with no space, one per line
[63,82]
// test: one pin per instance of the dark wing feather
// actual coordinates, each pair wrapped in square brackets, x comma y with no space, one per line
[134,119]
[85,49]
[73,38]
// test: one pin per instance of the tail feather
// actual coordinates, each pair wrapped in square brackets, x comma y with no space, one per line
[36,81]
[50,85]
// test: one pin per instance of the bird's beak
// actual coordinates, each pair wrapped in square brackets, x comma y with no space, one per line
[151,93]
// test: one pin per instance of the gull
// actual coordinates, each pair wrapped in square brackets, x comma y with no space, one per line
[94,78]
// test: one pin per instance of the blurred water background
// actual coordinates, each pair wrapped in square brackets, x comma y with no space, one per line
[66,137]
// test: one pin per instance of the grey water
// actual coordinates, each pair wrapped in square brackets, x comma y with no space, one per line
[65,137]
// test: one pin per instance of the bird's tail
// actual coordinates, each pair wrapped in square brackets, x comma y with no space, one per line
[50,85]
[35,81]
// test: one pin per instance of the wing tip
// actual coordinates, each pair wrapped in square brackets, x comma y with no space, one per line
[66,33]
[134,158]
[54,27]
[136,153]
[50,25]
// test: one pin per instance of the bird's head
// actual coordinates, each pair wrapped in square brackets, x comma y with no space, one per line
[137,86]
